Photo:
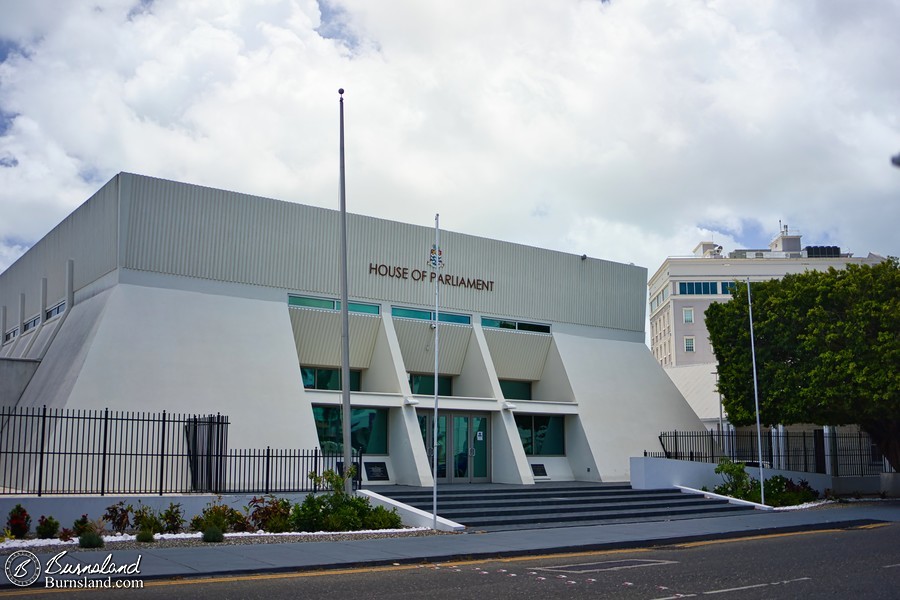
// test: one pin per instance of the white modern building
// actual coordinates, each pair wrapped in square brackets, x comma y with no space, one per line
[683,288]
[156,295]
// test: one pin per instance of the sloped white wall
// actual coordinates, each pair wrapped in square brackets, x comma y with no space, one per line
[184,351]
[625,399]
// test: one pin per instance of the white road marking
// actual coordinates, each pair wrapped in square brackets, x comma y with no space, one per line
[758,585]
[890,566]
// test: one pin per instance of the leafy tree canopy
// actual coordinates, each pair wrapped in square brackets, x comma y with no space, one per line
[827,351]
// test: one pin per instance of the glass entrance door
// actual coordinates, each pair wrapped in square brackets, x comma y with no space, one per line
[468,441]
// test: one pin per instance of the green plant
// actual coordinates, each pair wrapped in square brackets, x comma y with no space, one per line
[98,526]
[47,528]
[173,518]
[119,516]
[737,483]
[381,518]
[308,515]
[270,513]
[81,525]
[90,539]
[145,536]
[213,535]
[336,510]
[66,534]
[781,491]
[6,534]
[221,516]
[146,518]
[19,521]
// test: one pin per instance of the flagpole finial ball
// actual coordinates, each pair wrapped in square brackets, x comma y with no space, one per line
[341,91]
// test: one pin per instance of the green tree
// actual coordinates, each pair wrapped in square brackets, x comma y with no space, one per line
[827,351]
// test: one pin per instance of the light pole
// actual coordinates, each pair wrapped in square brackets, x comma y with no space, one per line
[762,487]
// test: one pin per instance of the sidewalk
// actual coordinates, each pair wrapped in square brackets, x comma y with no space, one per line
[258,558]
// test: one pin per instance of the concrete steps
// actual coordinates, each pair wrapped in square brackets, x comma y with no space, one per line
[496,507]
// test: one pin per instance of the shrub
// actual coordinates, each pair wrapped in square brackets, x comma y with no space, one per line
[173,518]
[146,518]
[81,525]
[90,539]
[781,491]
[119,516]
[338,511]
[270,513]
[213,535]
[19,521]
[222,517]
[66,534]
[47,528]
[309,515]
[98,526]
[381,518]
[145,536]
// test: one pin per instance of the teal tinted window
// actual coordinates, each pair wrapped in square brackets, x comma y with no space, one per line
[359,307]
[368,429]
[534,327]
[542,435]
[516,390]
[423,385]
[310,302]
[410,313]
[315,378]
[727,286]
[549,435]
[698,287]
[525,425]
[427,315]
[502,324]
[453,318]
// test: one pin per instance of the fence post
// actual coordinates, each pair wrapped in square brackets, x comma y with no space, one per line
[103,461]
[162,451]
[315,469]
[41,464]
[675,437]
[268,464]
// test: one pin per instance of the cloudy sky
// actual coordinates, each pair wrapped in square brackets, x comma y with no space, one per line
[627,130]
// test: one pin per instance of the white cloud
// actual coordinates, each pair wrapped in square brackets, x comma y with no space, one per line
[628,130]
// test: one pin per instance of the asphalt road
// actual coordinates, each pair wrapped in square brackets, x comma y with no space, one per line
[848,563]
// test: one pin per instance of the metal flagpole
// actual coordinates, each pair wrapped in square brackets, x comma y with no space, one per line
[436,264]
[345,322]
[762,487]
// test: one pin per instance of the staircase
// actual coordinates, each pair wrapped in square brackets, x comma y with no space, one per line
[497,507]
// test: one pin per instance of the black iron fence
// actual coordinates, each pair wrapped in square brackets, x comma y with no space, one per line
[65,451]
[841,454]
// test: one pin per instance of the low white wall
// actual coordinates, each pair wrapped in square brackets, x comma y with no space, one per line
[66,509]
[412,517]
[653,473]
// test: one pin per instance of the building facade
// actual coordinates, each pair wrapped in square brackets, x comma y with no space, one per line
[156,295]
[683,287]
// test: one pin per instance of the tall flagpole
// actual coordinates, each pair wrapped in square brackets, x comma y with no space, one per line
[345,322]
[762,487]
[436,263]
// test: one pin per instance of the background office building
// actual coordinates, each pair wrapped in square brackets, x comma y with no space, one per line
[156,295]
[683,288]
